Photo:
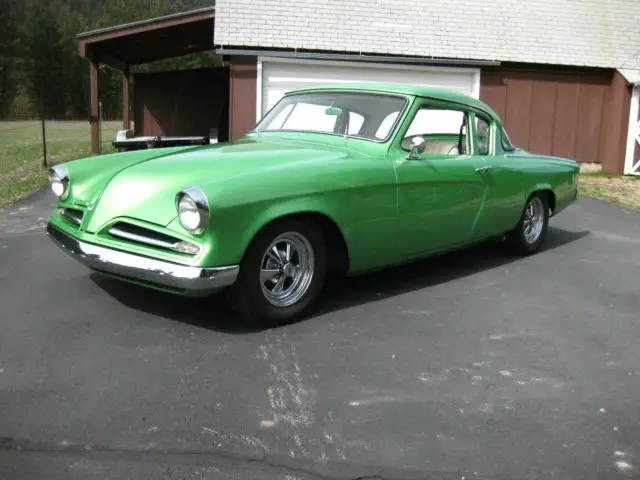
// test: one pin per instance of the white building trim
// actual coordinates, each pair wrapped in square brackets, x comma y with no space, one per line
[633,134]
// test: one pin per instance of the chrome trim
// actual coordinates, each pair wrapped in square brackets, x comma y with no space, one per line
[66,213]
[533,220]
[118,232]
[535,156]
[286,273]
[183,277]
[203,207]
[483,169]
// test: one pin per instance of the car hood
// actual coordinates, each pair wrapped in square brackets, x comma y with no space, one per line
[147,190]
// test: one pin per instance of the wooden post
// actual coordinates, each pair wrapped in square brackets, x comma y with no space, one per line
[615,115]
[242,95]
[126,105]
[44,143]
[94,115]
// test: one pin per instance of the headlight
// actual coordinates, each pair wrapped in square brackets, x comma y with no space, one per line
[59,180]
[193,210]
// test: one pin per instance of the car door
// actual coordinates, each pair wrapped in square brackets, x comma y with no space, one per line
[504,178]
[441,187]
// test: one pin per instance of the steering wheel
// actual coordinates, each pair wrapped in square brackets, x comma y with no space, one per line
[452,150]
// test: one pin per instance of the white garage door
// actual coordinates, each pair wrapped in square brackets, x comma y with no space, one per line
[278,76]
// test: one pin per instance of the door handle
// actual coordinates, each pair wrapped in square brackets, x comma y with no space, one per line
[483,169]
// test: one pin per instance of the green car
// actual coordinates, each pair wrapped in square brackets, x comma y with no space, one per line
[343,179]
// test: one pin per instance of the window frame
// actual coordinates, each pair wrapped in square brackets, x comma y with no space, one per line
[436,104]
[491,141]
[504,135]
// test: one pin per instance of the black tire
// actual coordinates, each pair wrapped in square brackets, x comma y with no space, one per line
[246,295]
[517,240]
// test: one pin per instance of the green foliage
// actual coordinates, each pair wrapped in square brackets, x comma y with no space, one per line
[44,66]
[10,32]
[39,61]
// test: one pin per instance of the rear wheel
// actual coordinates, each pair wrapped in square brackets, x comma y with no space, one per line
[527,238]
[282,273]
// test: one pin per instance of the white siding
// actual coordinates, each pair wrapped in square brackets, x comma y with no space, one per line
[569,32]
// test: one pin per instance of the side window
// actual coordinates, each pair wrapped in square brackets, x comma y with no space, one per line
[506,142]
[483,135]
[444,131]
[435,121]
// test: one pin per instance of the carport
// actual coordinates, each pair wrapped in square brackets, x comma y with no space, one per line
[165,103]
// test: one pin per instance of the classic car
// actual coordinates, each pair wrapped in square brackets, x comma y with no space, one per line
[341,179]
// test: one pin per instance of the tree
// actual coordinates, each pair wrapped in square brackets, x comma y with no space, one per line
[46,60]
[75,75]
[39,64]
[10,14]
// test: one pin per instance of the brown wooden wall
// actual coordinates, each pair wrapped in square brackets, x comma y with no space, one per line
[577,113]
[572,113]
[243,84]
[182,102]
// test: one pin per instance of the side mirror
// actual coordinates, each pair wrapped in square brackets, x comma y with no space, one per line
[416,144]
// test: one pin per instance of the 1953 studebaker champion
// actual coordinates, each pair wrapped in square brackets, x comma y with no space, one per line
[333,179]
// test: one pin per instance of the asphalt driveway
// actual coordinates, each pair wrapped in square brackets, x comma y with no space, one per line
[472,365]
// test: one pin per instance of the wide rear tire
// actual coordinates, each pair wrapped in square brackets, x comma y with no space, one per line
[282,273]
[529,235]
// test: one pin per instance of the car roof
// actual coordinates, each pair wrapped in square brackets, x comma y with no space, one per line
[414,90]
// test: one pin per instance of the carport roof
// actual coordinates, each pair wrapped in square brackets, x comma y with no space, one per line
[149,40]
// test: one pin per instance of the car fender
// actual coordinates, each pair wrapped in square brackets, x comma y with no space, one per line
[284,208]
[537,188]
[361,209]
[234,228]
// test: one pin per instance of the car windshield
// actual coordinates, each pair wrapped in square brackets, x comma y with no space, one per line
[370,116]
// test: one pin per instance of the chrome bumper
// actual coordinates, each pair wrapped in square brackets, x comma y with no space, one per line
[144,269]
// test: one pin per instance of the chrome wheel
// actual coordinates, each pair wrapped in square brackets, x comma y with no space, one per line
[533,220]
[287,269]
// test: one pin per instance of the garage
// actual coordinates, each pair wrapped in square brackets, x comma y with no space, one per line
[277,76]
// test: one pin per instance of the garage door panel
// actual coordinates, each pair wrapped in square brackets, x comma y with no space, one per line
[279,77]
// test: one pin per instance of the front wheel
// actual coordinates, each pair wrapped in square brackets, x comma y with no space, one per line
[529,234]
[282,273]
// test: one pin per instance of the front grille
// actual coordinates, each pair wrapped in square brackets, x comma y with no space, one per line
[73,215]
[136,234]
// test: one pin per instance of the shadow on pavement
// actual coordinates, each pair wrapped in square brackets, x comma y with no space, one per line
[212,313]
[432,271]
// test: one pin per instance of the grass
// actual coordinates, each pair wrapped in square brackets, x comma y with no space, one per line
[21,169]
[614,188]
